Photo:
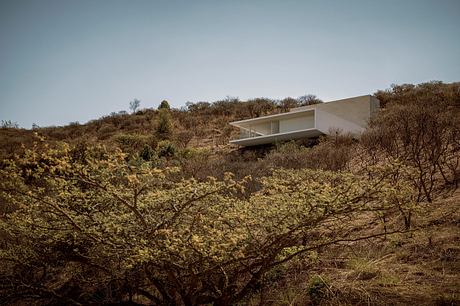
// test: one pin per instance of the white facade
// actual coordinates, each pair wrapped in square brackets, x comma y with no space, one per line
[347,115]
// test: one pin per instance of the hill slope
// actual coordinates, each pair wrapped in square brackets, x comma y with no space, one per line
[414,142]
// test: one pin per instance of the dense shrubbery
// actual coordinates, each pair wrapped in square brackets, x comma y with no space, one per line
[98,229]
[421,127]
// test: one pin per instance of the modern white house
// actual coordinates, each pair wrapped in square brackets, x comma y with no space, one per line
[349,115]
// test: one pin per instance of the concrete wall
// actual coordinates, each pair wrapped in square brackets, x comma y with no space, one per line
[375,106]
[348,115]
[356,110]
[302,122]
[328,122]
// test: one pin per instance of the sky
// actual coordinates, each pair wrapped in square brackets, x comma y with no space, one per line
[63,61]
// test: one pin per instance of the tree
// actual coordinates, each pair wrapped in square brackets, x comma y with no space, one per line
[308,100]
[420,126]
[287,103]
[226,106]
[134,105]
[259,106]
[8,124]
[164,105]
[164,127]
[198,106]
[100,230]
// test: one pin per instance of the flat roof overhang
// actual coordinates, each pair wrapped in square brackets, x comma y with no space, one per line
[265,139]
[248,122]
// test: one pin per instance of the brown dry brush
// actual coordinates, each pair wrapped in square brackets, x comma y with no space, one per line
[420,126]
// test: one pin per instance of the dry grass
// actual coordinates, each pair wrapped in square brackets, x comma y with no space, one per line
[421,268]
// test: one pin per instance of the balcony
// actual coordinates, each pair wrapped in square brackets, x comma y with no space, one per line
[279,127]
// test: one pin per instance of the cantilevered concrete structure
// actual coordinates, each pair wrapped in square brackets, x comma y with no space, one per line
[348,115]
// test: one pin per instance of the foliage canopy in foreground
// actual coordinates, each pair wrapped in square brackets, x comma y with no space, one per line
[92,228]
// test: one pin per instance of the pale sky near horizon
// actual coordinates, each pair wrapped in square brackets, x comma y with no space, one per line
[63,61]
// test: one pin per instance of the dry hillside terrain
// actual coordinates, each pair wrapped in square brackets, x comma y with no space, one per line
[156,208]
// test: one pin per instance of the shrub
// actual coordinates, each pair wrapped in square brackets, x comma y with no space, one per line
[257,107]
[183,138]
[317,289]
[198,107]
[308,100]
[164,105]
[147,153]
[57,133]
[106,131]
[420,126]
[196,164]
[130,230]
[331,153]
[288,155]
[164,126]
[287,103]
[166,148]
[131,143]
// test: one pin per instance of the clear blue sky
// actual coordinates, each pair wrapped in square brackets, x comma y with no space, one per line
[63,61]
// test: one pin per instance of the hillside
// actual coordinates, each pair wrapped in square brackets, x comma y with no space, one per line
[422,268]
[200,124]
[156,208]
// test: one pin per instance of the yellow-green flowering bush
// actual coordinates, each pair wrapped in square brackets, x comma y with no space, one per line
[99,230]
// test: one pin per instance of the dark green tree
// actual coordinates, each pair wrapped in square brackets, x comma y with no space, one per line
[164,127]
[164,105]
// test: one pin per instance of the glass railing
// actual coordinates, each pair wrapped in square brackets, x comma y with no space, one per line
[249,134]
